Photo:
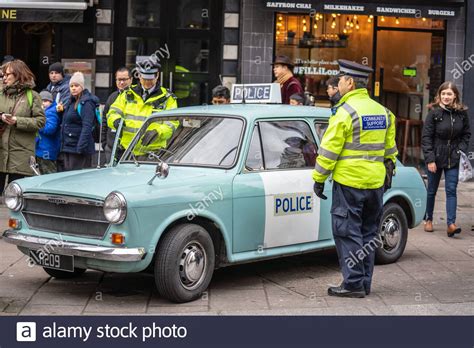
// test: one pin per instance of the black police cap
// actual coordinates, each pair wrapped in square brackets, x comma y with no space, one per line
[353,69]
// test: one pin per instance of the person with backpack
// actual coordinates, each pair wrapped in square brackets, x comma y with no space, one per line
[47,140]
[282,68]
[21,116]
[78,124]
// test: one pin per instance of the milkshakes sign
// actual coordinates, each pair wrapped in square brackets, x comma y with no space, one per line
[433,10]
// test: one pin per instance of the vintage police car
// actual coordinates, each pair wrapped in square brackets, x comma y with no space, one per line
[233,185]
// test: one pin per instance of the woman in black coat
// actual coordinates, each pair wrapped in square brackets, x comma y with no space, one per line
[446,132]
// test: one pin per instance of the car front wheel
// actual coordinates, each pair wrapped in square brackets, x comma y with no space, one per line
[184,263]
[393,234]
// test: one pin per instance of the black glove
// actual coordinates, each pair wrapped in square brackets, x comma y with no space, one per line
[318,190]
[149,137]
[116,123]
[389,169]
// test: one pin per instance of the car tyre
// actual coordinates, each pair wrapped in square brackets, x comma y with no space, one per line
[184,263]
[393,232]
[55,273]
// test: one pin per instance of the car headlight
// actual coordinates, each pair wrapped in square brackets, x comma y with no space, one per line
[115,208]
[13,196]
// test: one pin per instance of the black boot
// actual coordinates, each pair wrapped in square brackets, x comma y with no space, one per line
[339,291]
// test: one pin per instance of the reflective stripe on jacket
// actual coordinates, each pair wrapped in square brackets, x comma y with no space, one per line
[360,136]
[134,110]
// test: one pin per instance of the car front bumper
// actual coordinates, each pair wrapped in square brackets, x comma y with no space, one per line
[74,249]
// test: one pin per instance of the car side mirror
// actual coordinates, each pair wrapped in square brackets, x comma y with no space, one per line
[162,171]
[34,166]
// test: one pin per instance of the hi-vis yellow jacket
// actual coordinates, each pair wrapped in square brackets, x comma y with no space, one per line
[360,136]
[130,106]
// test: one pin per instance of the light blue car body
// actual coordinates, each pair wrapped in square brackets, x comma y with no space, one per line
[193,195]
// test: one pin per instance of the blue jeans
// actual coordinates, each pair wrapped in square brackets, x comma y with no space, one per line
[451,185]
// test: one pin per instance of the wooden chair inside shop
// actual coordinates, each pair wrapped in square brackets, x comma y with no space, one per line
[407,108]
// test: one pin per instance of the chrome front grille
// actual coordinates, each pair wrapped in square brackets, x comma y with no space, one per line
[65,215]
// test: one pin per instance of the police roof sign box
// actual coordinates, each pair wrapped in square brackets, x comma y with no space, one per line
[269,93]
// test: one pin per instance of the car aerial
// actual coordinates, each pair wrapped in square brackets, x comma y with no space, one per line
[232,185]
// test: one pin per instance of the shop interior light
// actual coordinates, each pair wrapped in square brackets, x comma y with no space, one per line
[370,18]
[348,22]
[383,19]
[304,20]
[397,20]
[423,19]
[345,31]
[334,15]
[304,28]
[315,26]
[280,18]
[357,25]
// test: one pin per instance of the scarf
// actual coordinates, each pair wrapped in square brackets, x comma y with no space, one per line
[16,88]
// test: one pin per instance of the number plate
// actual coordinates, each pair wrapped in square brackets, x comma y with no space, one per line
[54,261]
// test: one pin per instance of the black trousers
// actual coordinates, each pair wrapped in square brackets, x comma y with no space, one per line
[11,177]
[73,161]
[356,216]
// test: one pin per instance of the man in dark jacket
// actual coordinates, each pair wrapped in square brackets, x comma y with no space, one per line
[59,86]
[283,70]
[123,80]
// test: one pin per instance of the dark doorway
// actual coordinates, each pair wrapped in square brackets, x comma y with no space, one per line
[30,42]
[183,35]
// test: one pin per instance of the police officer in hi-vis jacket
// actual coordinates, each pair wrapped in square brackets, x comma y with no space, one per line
[359,150]
[138,103]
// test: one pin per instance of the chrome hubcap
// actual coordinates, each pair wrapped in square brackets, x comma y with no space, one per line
[391,232]
[192,265]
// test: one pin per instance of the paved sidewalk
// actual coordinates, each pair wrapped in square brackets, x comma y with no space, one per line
[434,277]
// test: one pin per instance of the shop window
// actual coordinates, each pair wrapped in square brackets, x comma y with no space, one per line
[141,48]
[315,43]
[411,23]
[193,56]
[194,14]
[143,13]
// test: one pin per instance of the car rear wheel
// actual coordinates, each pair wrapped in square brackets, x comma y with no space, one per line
[184,263]
[393,234]
[55,273]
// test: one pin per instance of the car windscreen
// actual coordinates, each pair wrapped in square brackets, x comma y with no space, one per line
[188,140]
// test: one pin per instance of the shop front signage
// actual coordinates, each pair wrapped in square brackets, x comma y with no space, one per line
[433,10]
[316,67]
[37,15]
